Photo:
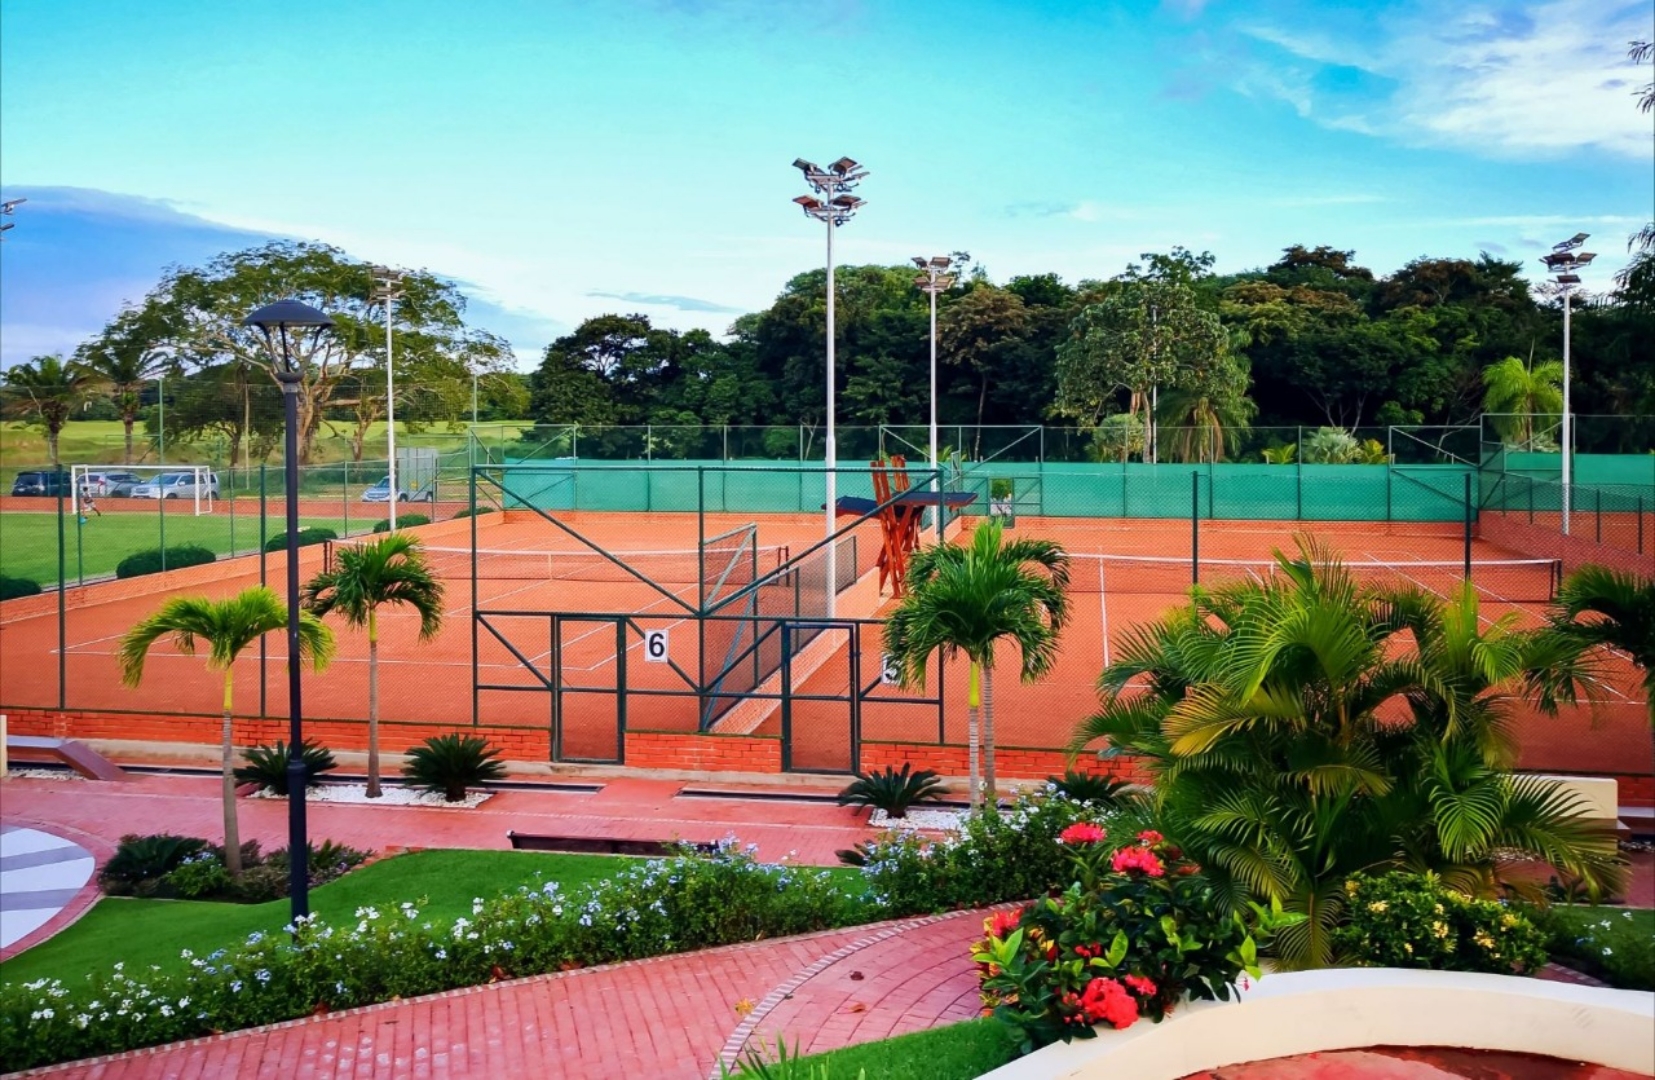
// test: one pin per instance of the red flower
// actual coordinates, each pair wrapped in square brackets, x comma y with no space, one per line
[1139,985]
[1108,1001]
[1136,858]
[1082,832]
[1002,923]
[1150,836]
[1087,952]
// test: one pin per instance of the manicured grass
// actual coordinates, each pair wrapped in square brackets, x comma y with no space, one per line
[956,1052]
[28,541]
[145,932]
[1616,945]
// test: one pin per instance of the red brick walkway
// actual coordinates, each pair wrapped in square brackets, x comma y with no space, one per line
[668,1018]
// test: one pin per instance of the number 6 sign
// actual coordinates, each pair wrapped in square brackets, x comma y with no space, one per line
[655,646]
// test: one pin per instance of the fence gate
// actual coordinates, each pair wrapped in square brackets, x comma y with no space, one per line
[821,727]
[588,664]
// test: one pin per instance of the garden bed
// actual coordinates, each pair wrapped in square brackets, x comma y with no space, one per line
[391,795]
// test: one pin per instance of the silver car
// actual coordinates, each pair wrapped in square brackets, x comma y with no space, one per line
[179,485]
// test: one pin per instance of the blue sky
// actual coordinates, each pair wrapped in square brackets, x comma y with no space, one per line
[562,159]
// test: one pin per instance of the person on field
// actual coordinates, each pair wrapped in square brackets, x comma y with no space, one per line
[88,505]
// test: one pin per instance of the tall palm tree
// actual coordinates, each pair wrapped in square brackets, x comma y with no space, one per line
[1204,424]
[1516,393]
[47,390]
[389,570]
[120,361]
[227,627]
[1600,611]
[1305,728]
[967,600]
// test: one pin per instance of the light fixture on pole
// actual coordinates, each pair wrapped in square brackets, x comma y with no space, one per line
[834,205]
[935,279]
[1566,258]
[8,208]
[388,289]
[275,321]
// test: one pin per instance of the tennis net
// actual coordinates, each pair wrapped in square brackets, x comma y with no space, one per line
[1525,581]
[682,566]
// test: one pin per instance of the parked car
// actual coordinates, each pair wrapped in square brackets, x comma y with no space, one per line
[41,483]
[111,483]
[381,492]
[179,485]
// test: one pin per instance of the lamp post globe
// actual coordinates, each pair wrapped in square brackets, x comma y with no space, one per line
[278,322]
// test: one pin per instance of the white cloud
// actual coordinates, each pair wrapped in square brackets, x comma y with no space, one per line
[1532,80]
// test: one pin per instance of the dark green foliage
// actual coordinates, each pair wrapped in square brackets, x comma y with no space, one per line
[452,763]
[1415,921]
[314,534]
[1616,945]
[1089,788]
[13,587]
[141,858]
[267,765]
[404,521]
[154,561]
[468,512]
[891,791]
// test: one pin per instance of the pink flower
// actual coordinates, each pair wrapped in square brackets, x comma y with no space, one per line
[1139,859]
[1108,1001]
[1082,832]
[1139,985]
[1150,836]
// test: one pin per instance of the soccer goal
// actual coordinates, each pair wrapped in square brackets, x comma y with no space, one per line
[195,484]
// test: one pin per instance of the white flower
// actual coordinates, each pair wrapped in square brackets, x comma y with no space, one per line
[1607,951]
[166,1010]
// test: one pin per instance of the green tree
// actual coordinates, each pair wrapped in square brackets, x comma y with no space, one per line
[1599,612]
[977,333]
[227,627]
[46,391]
[1518,393]
[1268,714]
[368,576]
[969,599]
[121,359]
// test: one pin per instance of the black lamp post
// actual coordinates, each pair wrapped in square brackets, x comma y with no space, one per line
[275,320]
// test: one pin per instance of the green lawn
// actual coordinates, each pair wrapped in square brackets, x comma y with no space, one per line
[1616,945]
[956,1052]
[28,541]
[144,932]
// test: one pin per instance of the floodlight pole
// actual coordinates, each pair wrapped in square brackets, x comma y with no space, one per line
[935,280]
[389,284]
[1563,264]
[1568,441]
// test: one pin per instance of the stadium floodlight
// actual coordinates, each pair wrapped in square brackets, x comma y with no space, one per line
[388,288]
[8,208]
[832,204]
[932,282]
[277,322]
[1562,263]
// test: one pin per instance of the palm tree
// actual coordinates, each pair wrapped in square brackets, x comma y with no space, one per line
[1204,424]
[1517,392]
[966,600]
[1598,611]
[47,390]
[122,360]
[390,570]
[1305,728]
[228,627]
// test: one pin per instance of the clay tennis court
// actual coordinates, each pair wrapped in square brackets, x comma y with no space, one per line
[1126,572]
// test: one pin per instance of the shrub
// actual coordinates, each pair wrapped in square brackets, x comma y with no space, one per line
[267,765]
[154,561]
[891,791]
[1615,946]
[452,763]
[1415,921]
[404,521]
[199,877]
[1137,932]
[313,534]
[468,512]
[11,588]
[1089,788]
[138,859]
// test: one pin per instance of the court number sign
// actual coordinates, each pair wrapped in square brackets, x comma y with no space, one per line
[890,672]
[655,646]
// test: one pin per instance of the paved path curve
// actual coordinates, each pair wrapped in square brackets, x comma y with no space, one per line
[40,874]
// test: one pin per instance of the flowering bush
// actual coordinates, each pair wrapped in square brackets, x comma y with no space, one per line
[655,907]
[1137,932]
[991,858]
[1415,921]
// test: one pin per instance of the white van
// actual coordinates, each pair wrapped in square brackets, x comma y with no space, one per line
[178,485]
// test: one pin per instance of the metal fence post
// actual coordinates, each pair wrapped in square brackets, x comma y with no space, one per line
[263,538]
[1467,478]
[62,612]
[1195,527]
[1599,514]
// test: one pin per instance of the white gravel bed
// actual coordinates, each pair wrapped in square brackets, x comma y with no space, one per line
[391,795]
[918,819]
[43,774]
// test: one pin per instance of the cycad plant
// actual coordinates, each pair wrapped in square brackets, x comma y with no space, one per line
[389,570]
[892,791]
[227,627]
[967,599]
[1598,613]
[1304,728]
